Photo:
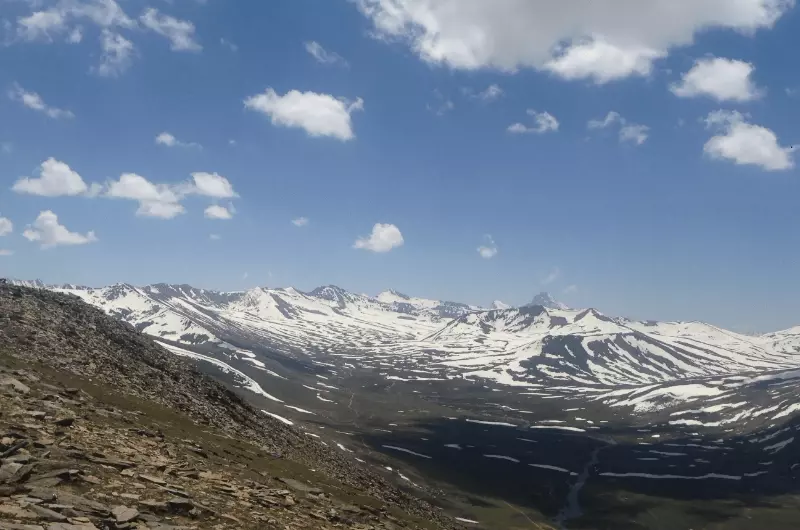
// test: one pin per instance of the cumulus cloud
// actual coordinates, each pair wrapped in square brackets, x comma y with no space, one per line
[745,143]
[719,78]
[601,40]
[300,221]
[322,55]
[628,132]
[6,226]
[542,122]
[317,114]
[180,33]
[56,179]
[47,231]
[602,61]
[215,211]
[384,238]
[155,200]
[164,200]
[34,101]
[117,54]
[489,249]
[209,185]
[169,140]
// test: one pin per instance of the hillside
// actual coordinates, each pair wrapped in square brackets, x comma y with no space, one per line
[544,413]
[86,396]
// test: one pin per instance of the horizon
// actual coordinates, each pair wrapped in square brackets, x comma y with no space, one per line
[479,307]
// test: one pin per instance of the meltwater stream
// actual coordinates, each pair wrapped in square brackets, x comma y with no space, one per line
[572,508]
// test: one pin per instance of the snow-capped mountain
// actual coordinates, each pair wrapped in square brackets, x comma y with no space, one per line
[533,343]
[396,334]
[545,300]
[497,304]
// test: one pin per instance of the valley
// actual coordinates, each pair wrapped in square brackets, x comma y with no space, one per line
[507,418]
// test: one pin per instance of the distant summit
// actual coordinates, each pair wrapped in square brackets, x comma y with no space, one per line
[546,300]
[497,304]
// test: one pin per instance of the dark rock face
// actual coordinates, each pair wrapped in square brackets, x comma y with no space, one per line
[64,335]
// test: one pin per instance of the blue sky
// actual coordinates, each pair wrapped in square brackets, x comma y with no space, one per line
[635,159]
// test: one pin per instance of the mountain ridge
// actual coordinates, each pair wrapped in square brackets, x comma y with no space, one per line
[516,346]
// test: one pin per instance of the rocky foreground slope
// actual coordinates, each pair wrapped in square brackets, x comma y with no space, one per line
[102,428]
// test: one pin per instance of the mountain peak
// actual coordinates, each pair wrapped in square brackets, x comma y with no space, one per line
[547,301]
[497,304]
[392,296]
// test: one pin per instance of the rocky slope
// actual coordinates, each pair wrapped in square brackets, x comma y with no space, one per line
[99,455]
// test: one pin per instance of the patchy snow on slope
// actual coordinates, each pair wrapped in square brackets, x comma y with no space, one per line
[248,383]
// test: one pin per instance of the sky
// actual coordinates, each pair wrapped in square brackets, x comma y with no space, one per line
[636,157]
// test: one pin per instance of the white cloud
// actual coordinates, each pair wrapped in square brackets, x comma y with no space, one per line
[611,118]
[245,275]
[155,200]
[210,185]
[543,122]
[552,276]
[49,233]
[62,20]
[180,33]
[214,237]
[322,55]
[34,101]
[55,179]
[169,140]
[596,39]
[491,93]
[317,114]
[6,226]
[6,252]
[746,144]
[443,108]
[41,25]
[300,221]
[228,44]
[104,13]
[384,238]
[48,24]
[718,78]
[634,133]
[117,54]
[489,249]
[75,36]
[442,105]
[628,132]
[571,289]
[160,210]
[215,211]
[164,200]
[602,61]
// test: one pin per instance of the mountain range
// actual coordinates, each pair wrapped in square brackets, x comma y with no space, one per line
[540,341]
